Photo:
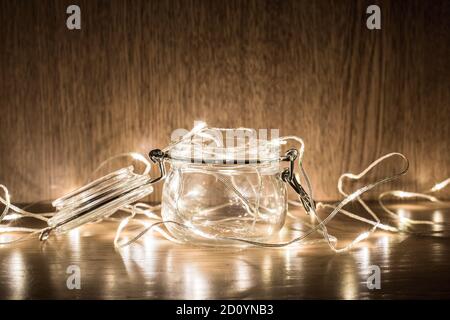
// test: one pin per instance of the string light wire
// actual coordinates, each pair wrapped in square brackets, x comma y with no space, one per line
[321,226]
[154,221]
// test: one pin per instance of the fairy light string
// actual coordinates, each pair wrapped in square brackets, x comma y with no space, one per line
[149,219]
[321,226]
[11,213]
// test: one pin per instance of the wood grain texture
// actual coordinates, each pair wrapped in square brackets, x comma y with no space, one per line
[411,267]
[139,69]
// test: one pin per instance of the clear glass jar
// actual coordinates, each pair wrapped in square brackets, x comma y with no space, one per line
[215,200]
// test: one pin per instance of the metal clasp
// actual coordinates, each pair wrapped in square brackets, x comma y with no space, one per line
[157,156]
[288,176]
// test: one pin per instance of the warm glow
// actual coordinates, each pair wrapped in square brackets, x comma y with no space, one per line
[440,185]
[404,194]
[12,217]
[362,237]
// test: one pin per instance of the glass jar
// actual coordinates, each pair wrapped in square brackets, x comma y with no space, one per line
[214,197]
[213,194]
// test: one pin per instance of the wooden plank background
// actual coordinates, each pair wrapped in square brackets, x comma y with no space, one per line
[139,69]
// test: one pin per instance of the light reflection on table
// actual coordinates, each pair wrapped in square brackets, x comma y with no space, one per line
[154,268]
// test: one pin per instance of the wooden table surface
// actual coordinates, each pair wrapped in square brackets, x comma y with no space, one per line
[154,268]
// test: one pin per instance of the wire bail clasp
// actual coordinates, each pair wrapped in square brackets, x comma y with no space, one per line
[288,176]
[157,156]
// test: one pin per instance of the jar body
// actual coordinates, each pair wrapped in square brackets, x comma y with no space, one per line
[214,204]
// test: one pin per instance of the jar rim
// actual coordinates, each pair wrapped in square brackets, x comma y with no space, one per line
[209,161]
[240,146]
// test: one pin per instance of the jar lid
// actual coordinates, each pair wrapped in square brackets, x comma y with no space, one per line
[99,199]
